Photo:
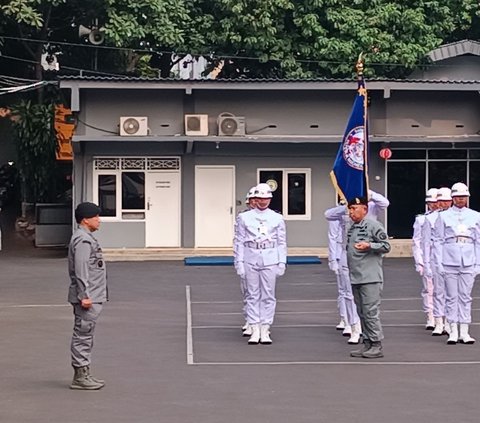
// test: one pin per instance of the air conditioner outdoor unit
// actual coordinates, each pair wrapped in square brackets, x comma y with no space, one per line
[133,126]
[196,125]
[230,125]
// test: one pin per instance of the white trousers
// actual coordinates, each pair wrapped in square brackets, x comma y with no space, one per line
[458,295]
[345,289]
[427,294]
[260,298]
[243,290]
[438,295]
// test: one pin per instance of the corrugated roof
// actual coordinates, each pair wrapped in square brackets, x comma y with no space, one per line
[250,81]
[458,48]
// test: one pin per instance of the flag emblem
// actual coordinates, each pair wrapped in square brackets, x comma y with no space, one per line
[353,148]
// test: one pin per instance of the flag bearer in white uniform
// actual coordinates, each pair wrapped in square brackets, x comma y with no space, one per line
[260,255]
[417,250]
[457,254]
[337,262]
[250,202]
[444,201]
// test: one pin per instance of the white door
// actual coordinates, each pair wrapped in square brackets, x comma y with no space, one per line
[162,217]
[214,206]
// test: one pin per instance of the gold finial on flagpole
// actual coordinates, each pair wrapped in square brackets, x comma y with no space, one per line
[359,65]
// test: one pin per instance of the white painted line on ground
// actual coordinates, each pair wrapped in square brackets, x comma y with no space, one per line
[309,312]
[393,325]
[189,326]
[337,363]
[313,301]
[34,305]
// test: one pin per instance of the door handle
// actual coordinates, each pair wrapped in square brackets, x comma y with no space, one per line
[231,210]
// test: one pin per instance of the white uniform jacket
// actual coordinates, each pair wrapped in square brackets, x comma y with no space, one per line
[260,238]
[417,247]
[457,244]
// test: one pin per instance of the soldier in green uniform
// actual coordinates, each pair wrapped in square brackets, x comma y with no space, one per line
[367,242]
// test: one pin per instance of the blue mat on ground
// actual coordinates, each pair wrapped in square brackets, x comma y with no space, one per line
[228,260]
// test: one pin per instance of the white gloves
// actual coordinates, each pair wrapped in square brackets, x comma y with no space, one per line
[419,269]
[333,266]
[240,268]
[281,269]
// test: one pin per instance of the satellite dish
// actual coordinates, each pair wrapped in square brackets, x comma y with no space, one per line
[131,126]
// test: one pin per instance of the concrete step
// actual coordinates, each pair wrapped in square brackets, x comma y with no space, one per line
[400,248]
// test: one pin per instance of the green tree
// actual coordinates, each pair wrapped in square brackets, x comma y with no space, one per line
[260,38]
[311,38]
[156,25]
[34,137]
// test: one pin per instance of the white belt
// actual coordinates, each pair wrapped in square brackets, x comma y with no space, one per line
[459,239]
[260,245]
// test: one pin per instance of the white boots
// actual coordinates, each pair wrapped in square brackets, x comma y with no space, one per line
[265,335]
[341,325]
[347,331]
[465,337]
[247,330]
[356,333]
[430,325]
[260,334]
[438,330]
[255,337]
[453,338]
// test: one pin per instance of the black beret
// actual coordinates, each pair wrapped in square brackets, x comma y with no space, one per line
[85,211]
[358,200]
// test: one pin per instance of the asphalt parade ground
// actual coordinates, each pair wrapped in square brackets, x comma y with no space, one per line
[170,348]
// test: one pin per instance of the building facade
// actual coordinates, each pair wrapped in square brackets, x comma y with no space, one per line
[170,161]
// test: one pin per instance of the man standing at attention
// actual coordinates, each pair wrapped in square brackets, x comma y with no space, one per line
[367,242]
[260,257]
[87,293]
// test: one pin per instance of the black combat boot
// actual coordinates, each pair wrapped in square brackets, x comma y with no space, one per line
[367,344]
[375,351]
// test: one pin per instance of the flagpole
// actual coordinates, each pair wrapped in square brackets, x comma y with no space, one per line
[349,173]
[360,67]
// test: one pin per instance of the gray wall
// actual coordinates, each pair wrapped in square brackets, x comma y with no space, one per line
[321,113]
[247,159]
[460,68]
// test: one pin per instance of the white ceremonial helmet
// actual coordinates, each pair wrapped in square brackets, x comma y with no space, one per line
[250,194]
[444,194]
[431,196]
[460,190]
[263,191]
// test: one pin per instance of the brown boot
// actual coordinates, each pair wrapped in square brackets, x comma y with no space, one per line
[83,381]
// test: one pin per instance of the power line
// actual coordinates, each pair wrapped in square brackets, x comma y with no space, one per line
[211,55]
[64,67]
[25,88]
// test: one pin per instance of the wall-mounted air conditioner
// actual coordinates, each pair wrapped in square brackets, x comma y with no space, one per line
[196,125]
[133,126]
[230,125]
